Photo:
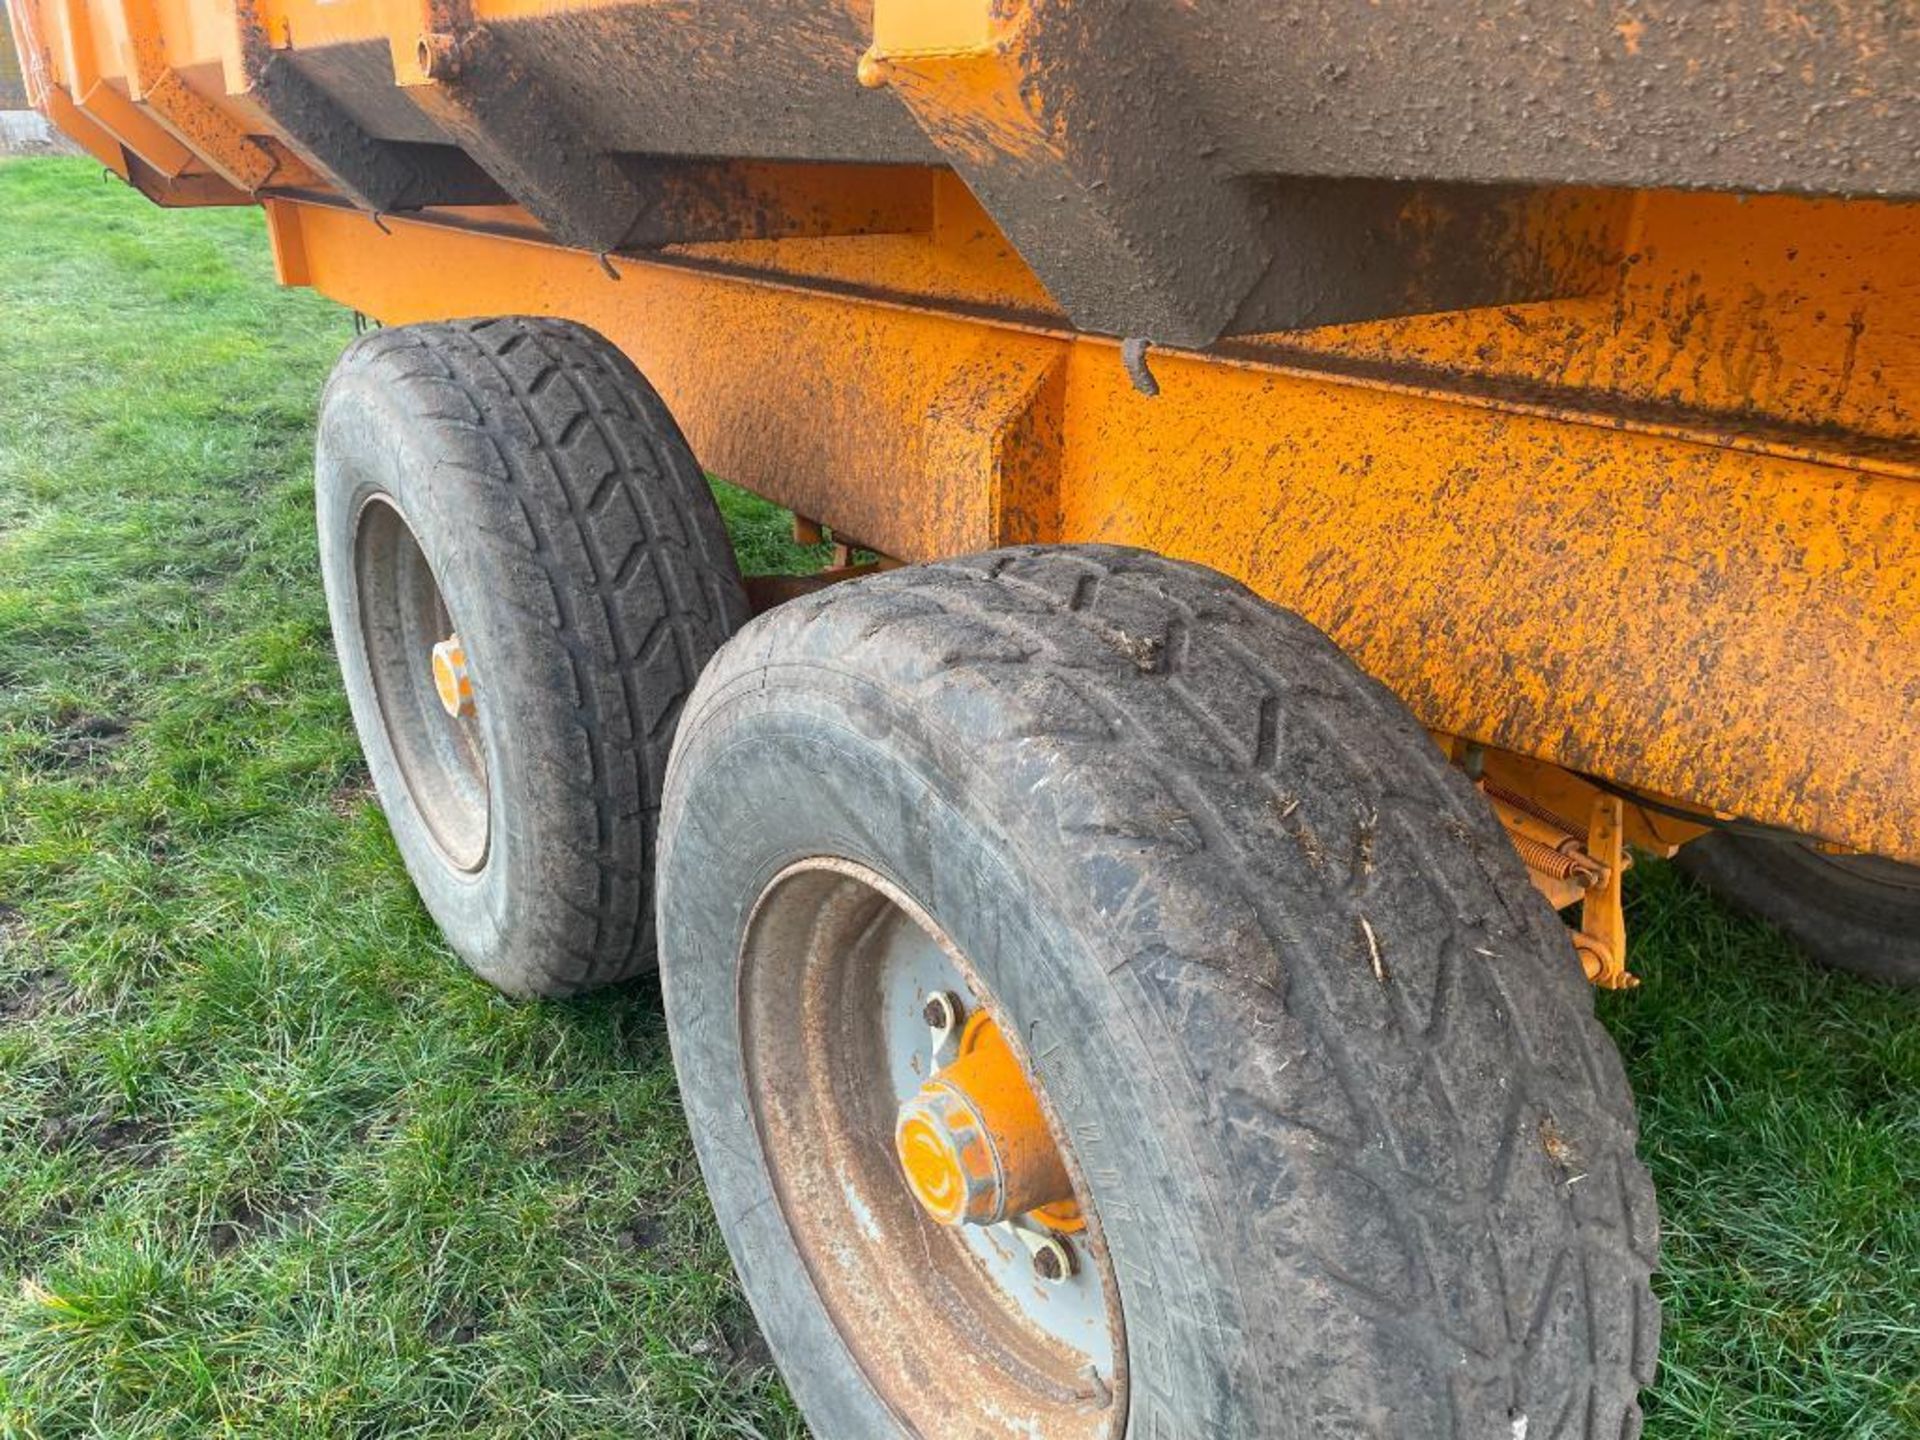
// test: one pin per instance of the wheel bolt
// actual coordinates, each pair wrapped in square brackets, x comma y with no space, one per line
[1052,1261]
[943,1012]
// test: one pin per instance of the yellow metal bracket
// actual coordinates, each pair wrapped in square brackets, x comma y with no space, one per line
[1602,937]
[1567,862]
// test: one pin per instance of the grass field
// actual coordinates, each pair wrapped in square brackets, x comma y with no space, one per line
[273,1164]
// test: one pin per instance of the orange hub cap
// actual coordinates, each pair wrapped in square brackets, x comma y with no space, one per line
[450,678]
[973,1141]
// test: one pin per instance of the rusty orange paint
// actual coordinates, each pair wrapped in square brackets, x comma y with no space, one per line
[1683,603]
[1766,310]
[1667,534]
[957,67]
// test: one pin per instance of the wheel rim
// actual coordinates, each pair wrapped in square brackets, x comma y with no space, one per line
[952,1325]
[403,617]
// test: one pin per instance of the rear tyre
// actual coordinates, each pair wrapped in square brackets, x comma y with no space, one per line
[1856,913]
[516,483]
[1355,1157]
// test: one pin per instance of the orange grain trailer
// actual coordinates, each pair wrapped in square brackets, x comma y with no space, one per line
[1341,474]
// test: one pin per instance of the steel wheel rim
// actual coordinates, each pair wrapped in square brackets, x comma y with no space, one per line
[403,614]
[949,1325]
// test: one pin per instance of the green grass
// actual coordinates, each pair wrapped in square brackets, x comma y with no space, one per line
[273,1164]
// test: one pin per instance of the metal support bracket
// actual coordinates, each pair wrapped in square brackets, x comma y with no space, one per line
[1602,937]
[1160,237]
[377,175]
[202,126]
[1573,865]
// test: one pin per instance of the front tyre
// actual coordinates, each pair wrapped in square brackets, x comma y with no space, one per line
[1348,1153]
[525,573]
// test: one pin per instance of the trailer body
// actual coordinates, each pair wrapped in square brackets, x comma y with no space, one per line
[1589,462]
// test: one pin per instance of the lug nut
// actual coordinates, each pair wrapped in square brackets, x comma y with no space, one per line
[1052,1261]
[943,1011]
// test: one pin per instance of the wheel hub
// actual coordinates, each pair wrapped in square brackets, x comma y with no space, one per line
[427,711]
[452,682]
[973,1141]
[957,1263]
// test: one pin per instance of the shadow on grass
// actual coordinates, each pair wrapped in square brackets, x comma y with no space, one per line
[1780,1114]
